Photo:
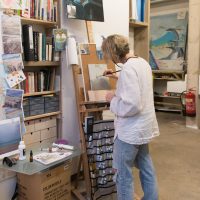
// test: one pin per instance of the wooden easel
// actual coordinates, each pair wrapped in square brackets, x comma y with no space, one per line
[85,107]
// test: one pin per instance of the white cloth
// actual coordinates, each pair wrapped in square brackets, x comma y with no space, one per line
[133,105]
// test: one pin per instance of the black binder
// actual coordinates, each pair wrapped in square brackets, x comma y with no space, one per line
[28,43]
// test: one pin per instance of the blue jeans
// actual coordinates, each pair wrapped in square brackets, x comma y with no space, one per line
[125,156]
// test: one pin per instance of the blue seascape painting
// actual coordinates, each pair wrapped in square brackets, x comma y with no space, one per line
[168,40]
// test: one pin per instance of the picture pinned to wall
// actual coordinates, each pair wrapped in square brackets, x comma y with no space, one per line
[12,44]
[13,105]
[11,34]
[97,81]
[60,38]
[11,25]
[84,49]
[9,135]
[12,62]
[168,40]
[12,4]
[15,78]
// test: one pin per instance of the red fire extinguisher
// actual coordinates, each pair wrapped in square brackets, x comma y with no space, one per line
[188,100]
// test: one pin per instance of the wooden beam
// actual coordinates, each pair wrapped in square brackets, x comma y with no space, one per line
[89,31]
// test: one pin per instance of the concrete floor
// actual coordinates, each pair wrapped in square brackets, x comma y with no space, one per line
[176,156]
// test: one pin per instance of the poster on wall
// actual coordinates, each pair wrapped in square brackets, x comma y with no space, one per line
[168,40]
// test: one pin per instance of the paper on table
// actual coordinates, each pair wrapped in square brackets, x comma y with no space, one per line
[48,158]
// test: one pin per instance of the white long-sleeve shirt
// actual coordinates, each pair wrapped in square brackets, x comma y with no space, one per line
[133,104]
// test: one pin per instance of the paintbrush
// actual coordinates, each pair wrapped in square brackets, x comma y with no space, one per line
[109,73]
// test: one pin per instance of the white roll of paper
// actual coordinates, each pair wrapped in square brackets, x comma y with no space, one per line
[72,51]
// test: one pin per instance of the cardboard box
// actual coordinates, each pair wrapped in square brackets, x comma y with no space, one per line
[53,184]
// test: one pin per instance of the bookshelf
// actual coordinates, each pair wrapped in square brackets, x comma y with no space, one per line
[39,100]
[139,33]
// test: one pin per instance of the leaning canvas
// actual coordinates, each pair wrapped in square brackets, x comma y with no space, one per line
[168,40]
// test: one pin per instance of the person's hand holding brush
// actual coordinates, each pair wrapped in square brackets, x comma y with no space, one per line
[110,73]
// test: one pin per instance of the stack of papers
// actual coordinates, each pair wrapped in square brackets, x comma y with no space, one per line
[48,158]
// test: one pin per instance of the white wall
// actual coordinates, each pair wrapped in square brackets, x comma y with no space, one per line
[117,12]
[116,17]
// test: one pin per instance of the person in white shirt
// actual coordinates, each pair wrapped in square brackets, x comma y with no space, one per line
[135,119]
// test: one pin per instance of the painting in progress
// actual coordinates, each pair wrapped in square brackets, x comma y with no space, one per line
[168,40]
[97,81]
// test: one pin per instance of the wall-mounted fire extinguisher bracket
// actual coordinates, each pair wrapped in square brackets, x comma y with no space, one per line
[188,100]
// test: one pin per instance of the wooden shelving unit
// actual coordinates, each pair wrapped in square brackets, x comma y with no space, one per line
[135,24]
[41,63]
[139,34]
[42,116]
[35,66]
[38,22]
[167,103]
[39,93]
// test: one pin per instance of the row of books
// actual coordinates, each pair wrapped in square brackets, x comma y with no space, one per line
[38,46]
[43,80]
[41,9]
[138,10]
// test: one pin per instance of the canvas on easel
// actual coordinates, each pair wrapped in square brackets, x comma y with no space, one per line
[92,70]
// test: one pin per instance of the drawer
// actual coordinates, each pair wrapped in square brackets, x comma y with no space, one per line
[30,126]
[30,138]
[48,133]
[50,122]
[40,124]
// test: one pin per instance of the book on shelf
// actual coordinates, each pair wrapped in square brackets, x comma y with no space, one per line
[41,9]
[37,45]
[138,10]
[39,81]
[28,42]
